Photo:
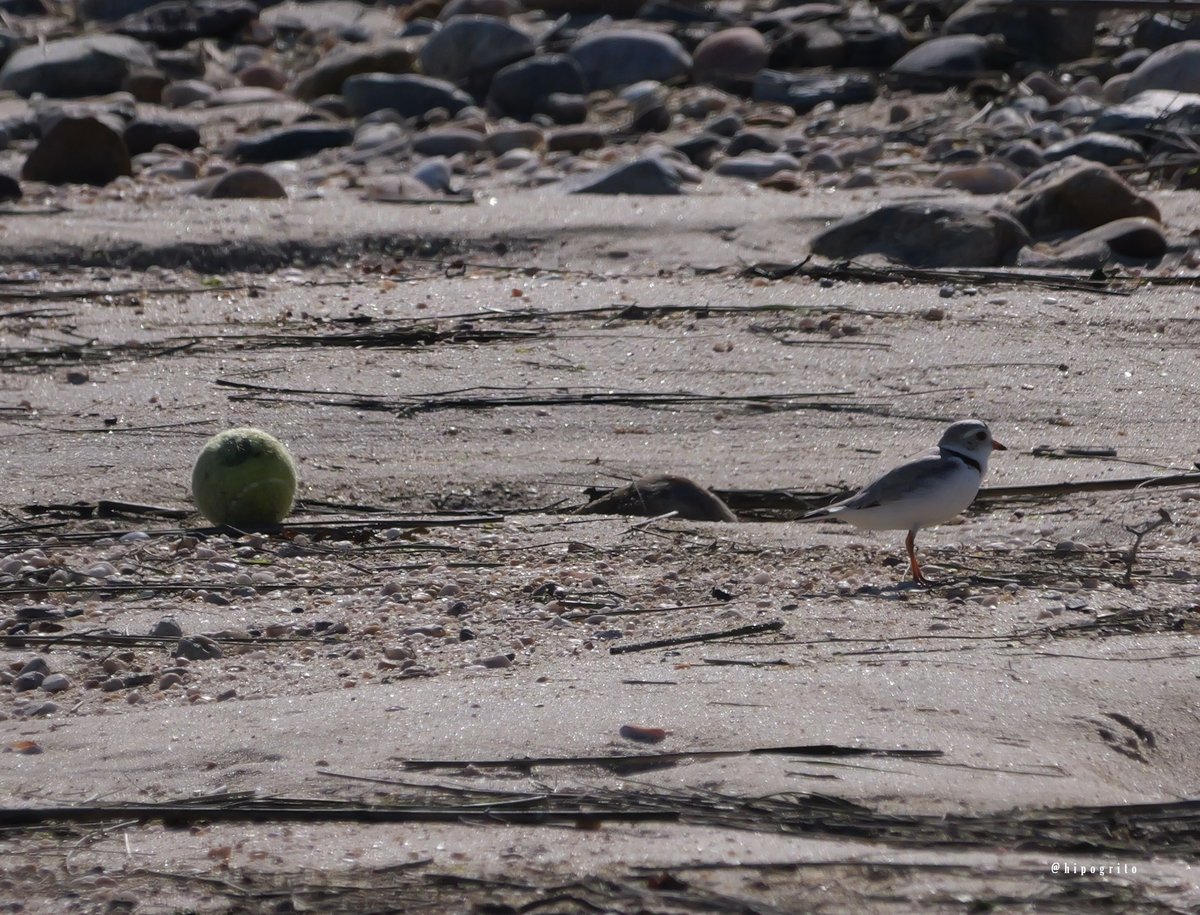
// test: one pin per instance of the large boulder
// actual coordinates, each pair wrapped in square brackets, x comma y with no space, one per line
[926,235]
[75,67]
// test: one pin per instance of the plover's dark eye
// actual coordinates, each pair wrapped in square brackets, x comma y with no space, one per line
[980,436]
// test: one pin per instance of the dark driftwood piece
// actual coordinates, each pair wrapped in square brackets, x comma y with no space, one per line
[1133,830]
[479,398]
[756,629]
[851,270]
[652,760]
[661,494]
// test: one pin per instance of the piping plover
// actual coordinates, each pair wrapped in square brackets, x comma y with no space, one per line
[929,489]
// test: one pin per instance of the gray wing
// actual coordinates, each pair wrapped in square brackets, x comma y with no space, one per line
[903,482]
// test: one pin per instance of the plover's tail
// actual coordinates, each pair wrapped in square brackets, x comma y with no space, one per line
[829,511]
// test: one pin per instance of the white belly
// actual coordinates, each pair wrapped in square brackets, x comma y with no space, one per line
[923,507]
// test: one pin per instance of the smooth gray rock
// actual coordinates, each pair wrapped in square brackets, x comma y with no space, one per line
[408,94]
[1107,148]
[946,60]
[74,67]
[650,176]
[1175,67]
[926,235]
[756,167]
[328,74]
[1121,240]
[618,57]
[470,49]
[1135,237]
[435,174]
[447,141]
[296,141]
[1156,108]
[143,134]
[520,90]
[1024,154]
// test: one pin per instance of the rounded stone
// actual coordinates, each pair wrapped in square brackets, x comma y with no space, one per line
[247,182]
[618,57]
[1175,67]
[471,49]
[78,150]
[735,53]
[56,683]
[411,96]
[520,89]
[447,142]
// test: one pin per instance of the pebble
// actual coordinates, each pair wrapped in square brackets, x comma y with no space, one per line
[37,709]
[34,665]
[27,681]
[56,683]
[942,234]
[620,57]
[166,628]
[496,661]
[100,570]
[197,648]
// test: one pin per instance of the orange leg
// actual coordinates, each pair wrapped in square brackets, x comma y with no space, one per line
[910,545]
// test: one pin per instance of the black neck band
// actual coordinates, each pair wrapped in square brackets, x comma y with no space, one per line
[969,461]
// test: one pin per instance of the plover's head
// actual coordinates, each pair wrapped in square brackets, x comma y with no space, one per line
[970,438]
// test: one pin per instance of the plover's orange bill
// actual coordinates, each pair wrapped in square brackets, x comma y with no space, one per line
[929,489]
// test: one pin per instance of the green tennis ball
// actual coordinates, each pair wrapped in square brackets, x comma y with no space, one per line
[244,477]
